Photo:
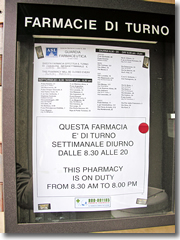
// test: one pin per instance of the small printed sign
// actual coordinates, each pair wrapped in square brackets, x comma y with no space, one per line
[141,201]
[44,206]
[146,62]
[39,52]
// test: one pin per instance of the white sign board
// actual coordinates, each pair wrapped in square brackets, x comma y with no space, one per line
[90,127]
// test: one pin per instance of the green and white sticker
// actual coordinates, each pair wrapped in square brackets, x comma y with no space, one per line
[93,202]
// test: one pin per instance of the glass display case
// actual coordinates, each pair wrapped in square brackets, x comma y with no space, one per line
[88,116]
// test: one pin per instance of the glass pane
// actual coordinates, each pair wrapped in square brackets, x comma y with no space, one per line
[161,128]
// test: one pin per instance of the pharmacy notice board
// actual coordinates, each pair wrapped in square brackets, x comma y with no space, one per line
[90,127]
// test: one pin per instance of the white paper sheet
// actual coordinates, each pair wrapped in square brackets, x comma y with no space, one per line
[90,127]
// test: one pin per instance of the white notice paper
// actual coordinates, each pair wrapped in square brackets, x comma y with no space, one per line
[90,127]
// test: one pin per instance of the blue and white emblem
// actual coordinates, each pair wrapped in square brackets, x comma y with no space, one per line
[51,52]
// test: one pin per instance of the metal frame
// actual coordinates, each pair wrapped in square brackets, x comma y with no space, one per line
[11,225]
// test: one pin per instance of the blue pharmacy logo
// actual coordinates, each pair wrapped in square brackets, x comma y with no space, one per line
[51,52]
